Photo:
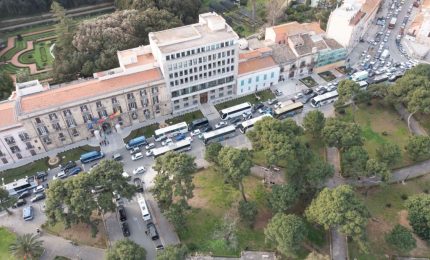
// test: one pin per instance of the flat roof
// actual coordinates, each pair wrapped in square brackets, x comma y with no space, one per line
[256,64]
[7,114]
[87,89]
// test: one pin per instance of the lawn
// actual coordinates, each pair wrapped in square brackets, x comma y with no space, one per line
[188,117]
[6,238]
[263,96]
[146,131]
[39,55]
[327,76]
[380,124]
[309,82]
[386,208]
[75,154]
[26,170]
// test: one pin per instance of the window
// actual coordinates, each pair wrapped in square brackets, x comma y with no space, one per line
[114,100]
[242,82]
[29,145]
[84,108]
[99,104]
[19,156]
[67,112]
[230,92]
[177,107]
[265,77]
[42,130]
[4,160]
[70,122]
[61,137]
[155,100]
[117,109]
[23,136]
[53,116]
[46,140]
[9,140]
[257,78]
[130,96]
[87,118]
[38,121]
[132,106]
[15,149]
[75,132]
[56,126]
[272,75]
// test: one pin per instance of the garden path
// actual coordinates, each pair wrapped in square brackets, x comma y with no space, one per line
[33,68]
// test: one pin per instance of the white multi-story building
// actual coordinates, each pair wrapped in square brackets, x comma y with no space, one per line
[199,62]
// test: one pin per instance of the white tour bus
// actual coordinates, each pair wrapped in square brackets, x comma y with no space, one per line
[326,98]
[250,123]
[169,131]
[180,146]
[219,134]
[144,209]
[289,110]
[19,186]
[235,111]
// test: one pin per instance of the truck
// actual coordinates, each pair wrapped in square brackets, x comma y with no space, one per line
[392,23]
[385,54]
[360,75]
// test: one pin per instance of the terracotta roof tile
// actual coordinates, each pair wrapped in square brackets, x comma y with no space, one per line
[297,28]
[7,114]
[142,60]
[79,91]
[256,64]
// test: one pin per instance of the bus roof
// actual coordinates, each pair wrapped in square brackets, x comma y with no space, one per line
[200,120]
[236,107]
[17,183]
[326,95]
[89,154]
[288,107]
[252,121]
[171,147]
[219,131]
[170,128]
[137,140]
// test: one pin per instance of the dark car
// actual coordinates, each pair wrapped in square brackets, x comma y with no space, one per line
[138,183]
[69,165]
[307,91]
[235,120]
[258,106]
[152,231]
[37,197]
[207,129]
[121,213]
[19,203]
[24,194]
[74,171]
[159,247]
[322,90]
[41,176]
[125,229]
[117,157]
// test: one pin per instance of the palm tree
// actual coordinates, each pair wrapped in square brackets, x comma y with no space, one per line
[27,247]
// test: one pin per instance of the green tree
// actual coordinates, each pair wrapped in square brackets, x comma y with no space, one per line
[173,253]
[176,215]
[401,238]
[6,85]
[6,201]
[342,135]
[340,208]
[419,214]
[353,161]
[235,164]
[27,246]
[314,122]
[23,75]
[363,97]
[347,90]
[418,147]
[247,212]
[388,153]
[174,179]
[286,232]
[380,169]
[212,152]
[283,197]
[126,250]
[316,256]
[419,101]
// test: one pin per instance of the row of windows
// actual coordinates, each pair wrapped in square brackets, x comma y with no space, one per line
[257,78]
[201,68]
[185,99]
[202,86]
[212,47]
[200,76]
[200,60]
[195,101]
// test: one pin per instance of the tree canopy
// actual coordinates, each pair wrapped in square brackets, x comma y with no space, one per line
[6,201]
[401,238]
[173,253]
[314,122]
[418,147]
[6,85]
[342,135]
[347,90]
[353,161]
[126,250]
[27,246]
[388,153]
[419,214]
[283,197]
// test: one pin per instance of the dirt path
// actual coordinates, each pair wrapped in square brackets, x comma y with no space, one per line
[10,45]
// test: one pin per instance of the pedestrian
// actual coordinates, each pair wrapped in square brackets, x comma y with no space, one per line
[146,232]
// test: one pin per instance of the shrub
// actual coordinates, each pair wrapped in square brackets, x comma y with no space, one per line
[404,197]
[247,212]
[401,238]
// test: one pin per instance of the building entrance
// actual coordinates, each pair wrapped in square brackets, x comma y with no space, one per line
[107,128]
[204,98]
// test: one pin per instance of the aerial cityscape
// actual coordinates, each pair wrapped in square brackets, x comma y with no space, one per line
[214,129]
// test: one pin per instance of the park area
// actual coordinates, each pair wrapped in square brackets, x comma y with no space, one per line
[386,206]
[380,124]
[6,239]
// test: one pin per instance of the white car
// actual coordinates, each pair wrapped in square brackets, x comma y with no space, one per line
[135,150]
[298,96]
[195,132]
[39,189]
[167,142]
[149,153]
[139,170]
[137,156]
[126,175]
[150,146]
[189,138]
[220,124]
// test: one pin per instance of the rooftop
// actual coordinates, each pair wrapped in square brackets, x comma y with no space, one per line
[7,112]
[211,28]
[256,64]
[282,53]
[83,90]
[254,53]
[294,28]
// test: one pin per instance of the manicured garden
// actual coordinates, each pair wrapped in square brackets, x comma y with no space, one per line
[327,76]
[40,55]
[263,96]
[386,206]
[6,239]
[309,82]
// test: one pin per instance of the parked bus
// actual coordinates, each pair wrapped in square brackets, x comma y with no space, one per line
[91,156]
[219,134]
[379,78]
[235,111]
[326,98]
[198,124]
[27,213]
[169,131]
[250,123]
[289,110]
[181,146]
[19,186]
[136,142]
[363,84]
[144,209]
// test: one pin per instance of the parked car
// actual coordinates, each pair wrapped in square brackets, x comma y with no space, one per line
[235,120]
[152,230]
[307,91]
[117,157]
[19,203]
[134,150]
[39,189]
[121,213]
[74,171]
[137,156]
[206,129]
[278,92]
[180,137]
[195,132]
[60,175]
[149,146]
[139,170]
[247,115]
[159,247]
[221,124]
[138,183]
[167,142]
[321,90]
[149,153]
[272,101]
[37,197]
[67,166]
[24,194]
[41,176]
[258,106]
[126,175]
[125,229]
[262,109]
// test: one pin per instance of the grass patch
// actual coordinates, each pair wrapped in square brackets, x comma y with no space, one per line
[75,153]
[327,76]
[6,239]
[25,170]
[384,217]
[375,120]
[343,70]
[309,82]
[263,96]
[146,131]
[188,117]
